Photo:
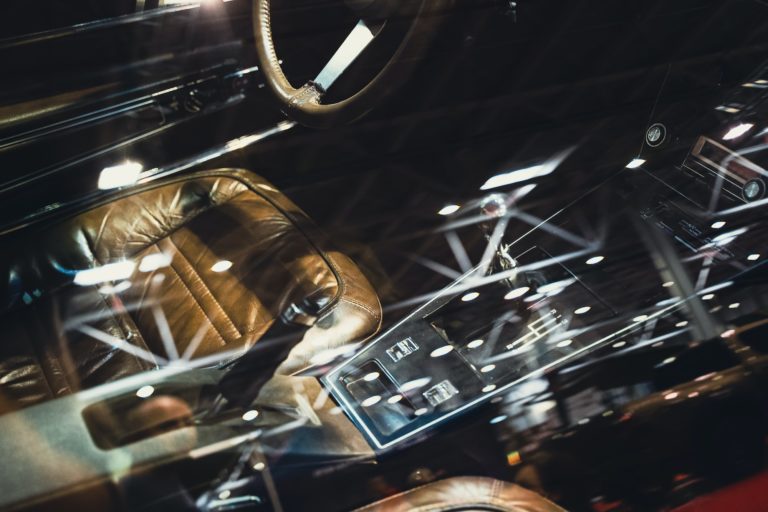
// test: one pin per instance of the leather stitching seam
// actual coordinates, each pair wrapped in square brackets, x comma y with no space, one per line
[194,300]
[206,289]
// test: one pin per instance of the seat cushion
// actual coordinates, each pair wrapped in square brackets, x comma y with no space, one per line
[213,258]
[465,494]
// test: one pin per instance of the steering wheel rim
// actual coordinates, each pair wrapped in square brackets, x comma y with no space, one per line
[304,104]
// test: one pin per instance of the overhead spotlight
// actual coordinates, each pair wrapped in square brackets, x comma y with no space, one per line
[508,178]
[737,131]
[449,209]
[668,284]
[595,260]
[735,305]
[619,344]
[640,318]
[582,310]
[717,225]
[681,324]
[635,163]
[564,343]
[753,257]
[708,296]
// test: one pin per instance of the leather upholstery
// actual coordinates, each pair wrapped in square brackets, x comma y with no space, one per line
[465,494]
[198,220]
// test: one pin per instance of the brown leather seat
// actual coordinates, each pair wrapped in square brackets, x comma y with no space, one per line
[59,337]
[465,494]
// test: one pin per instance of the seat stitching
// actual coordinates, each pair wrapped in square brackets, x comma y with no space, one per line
[194,300]
[361,305]
[205,287]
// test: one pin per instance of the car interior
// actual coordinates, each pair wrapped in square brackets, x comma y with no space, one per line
[383,255]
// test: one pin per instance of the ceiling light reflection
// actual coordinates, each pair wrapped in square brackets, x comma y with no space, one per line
[583,310]
[737,131]
[470,296]
[517,293]
[109,272]
[448,209]
[145,391]
[595,260]
[120,175]
[441,351]
[635,163]
[475,343]
[250,415]
[508,178]
[371,400]
[221,266]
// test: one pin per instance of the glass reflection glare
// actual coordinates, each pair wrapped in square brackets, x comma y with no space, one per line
[448,209]
[475,343]
[109,272]
[250,415]
[635,163]
[154,261]
[441,351]
[737,131]
[583,310]
[470,296]
[120,175]
[221,266]
[373,400]
[145,391]
[517,293]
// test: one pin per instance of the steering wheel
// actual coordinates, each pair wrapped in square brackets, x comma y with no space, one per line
[304,104]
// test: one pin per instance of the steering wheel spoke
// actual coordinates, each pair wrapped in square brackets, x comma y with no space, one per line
[355,43]
[304,104]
